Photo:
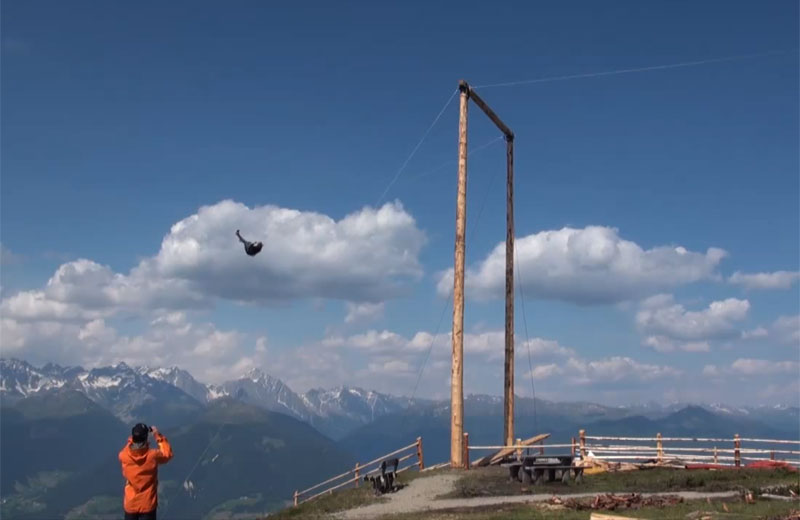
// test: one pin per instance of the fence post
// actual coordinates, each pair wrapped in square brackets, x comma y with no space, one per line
[715,455]
[295,498]
[466,450]
[772,455]
[737,444]
[419,454]
[519,449]
[573,449]
[659,447]
[357,475]
[582,436]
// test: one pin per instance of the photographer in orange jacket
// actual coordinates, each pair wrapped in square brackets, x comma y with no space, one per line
[140,469]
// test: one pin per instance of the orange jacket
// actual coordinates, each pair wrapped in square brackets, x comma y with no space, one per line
[140,469]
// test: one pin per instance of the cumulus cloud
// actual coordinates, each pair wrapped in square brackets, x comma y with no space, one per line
[661,316]
[593,265]
[616,369]
[363,312]
[762,367]
[785,329]
[664,344]
[755,368]
[170,339]
[363,258]
[774,280]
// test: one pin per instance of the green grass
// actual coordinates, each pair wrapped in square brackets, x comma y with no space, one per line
[737,509]
[101,507]
[345,499]
[494,481]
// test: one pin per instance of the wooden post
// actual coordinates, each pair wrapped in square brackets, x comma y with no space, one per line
[716,460]
[457,372]
[772,455]
[508,409]
[659,447]
[519,449]
[737,444]
[357,475]
[582,437]
[574,447]
[295,498]
[466,450]
[419,454]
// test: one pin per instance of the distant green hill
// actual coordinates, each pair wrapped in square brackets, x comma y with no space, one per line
[48,439]
[239,456]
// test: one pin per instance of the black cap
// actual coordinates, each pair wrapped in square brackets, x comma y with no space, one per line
[139,432]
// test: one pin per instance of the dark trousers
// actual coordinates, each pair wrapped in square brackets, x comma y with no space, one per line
[141,516]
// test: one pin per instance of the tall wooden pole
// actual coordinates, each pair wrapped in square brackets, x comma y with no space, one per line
[508,409]
[457,372]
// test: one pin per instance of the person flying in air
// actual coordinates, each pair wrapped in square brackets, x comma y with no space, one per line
[251,248]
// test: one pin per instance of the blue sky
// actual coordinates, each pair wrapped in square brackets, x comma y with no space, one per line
[120,121]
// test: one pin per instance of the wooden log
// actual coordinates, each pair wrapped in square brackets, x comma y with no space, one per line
[489,112]
[457,370]
[508,386]
[466,450]
[494,458]
[582,437]
[420,460]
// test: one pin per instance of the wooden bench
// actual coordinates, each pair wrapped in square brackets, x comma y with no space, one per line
[532,469]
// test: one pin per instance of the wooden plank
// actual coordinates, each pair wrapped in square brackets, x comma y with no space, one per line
[494,458]
[489,112]
[605,516]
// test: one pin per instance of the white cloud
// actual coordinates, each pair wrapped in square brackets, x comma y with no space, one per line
[763,367]
[787,329]
[774,280]
[593,265]
[361,312]
[611,370]
[363,258]
[664,344]
[758,332]
[662,317]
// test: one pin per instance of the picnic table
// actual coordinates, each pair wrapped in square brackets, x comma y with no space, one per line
[535,469]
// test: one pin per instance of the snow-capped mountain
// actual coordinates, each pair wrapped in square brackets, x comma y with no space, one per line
[18,379]
[182,379]
[128,393]
[341,410]
[171,395]
[261,389]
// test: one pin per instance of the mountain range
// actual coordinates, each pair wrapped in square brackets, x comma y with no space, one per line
[248,443]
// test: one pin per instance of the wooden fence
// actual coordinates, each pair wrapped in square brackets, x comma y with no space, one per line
[355,475]
[695,450]
[703,450]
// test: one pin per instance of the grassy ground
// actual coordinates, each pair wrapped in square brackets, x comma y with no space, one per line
[694,509]
[346,499]
[494,481]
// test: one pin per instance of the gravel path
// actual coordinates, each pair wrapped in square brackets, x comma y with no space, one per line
[421,493]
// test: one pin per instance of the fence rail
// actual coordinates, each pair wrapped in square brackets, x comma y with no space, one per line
[643,449]
[727,451]
[357,472]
